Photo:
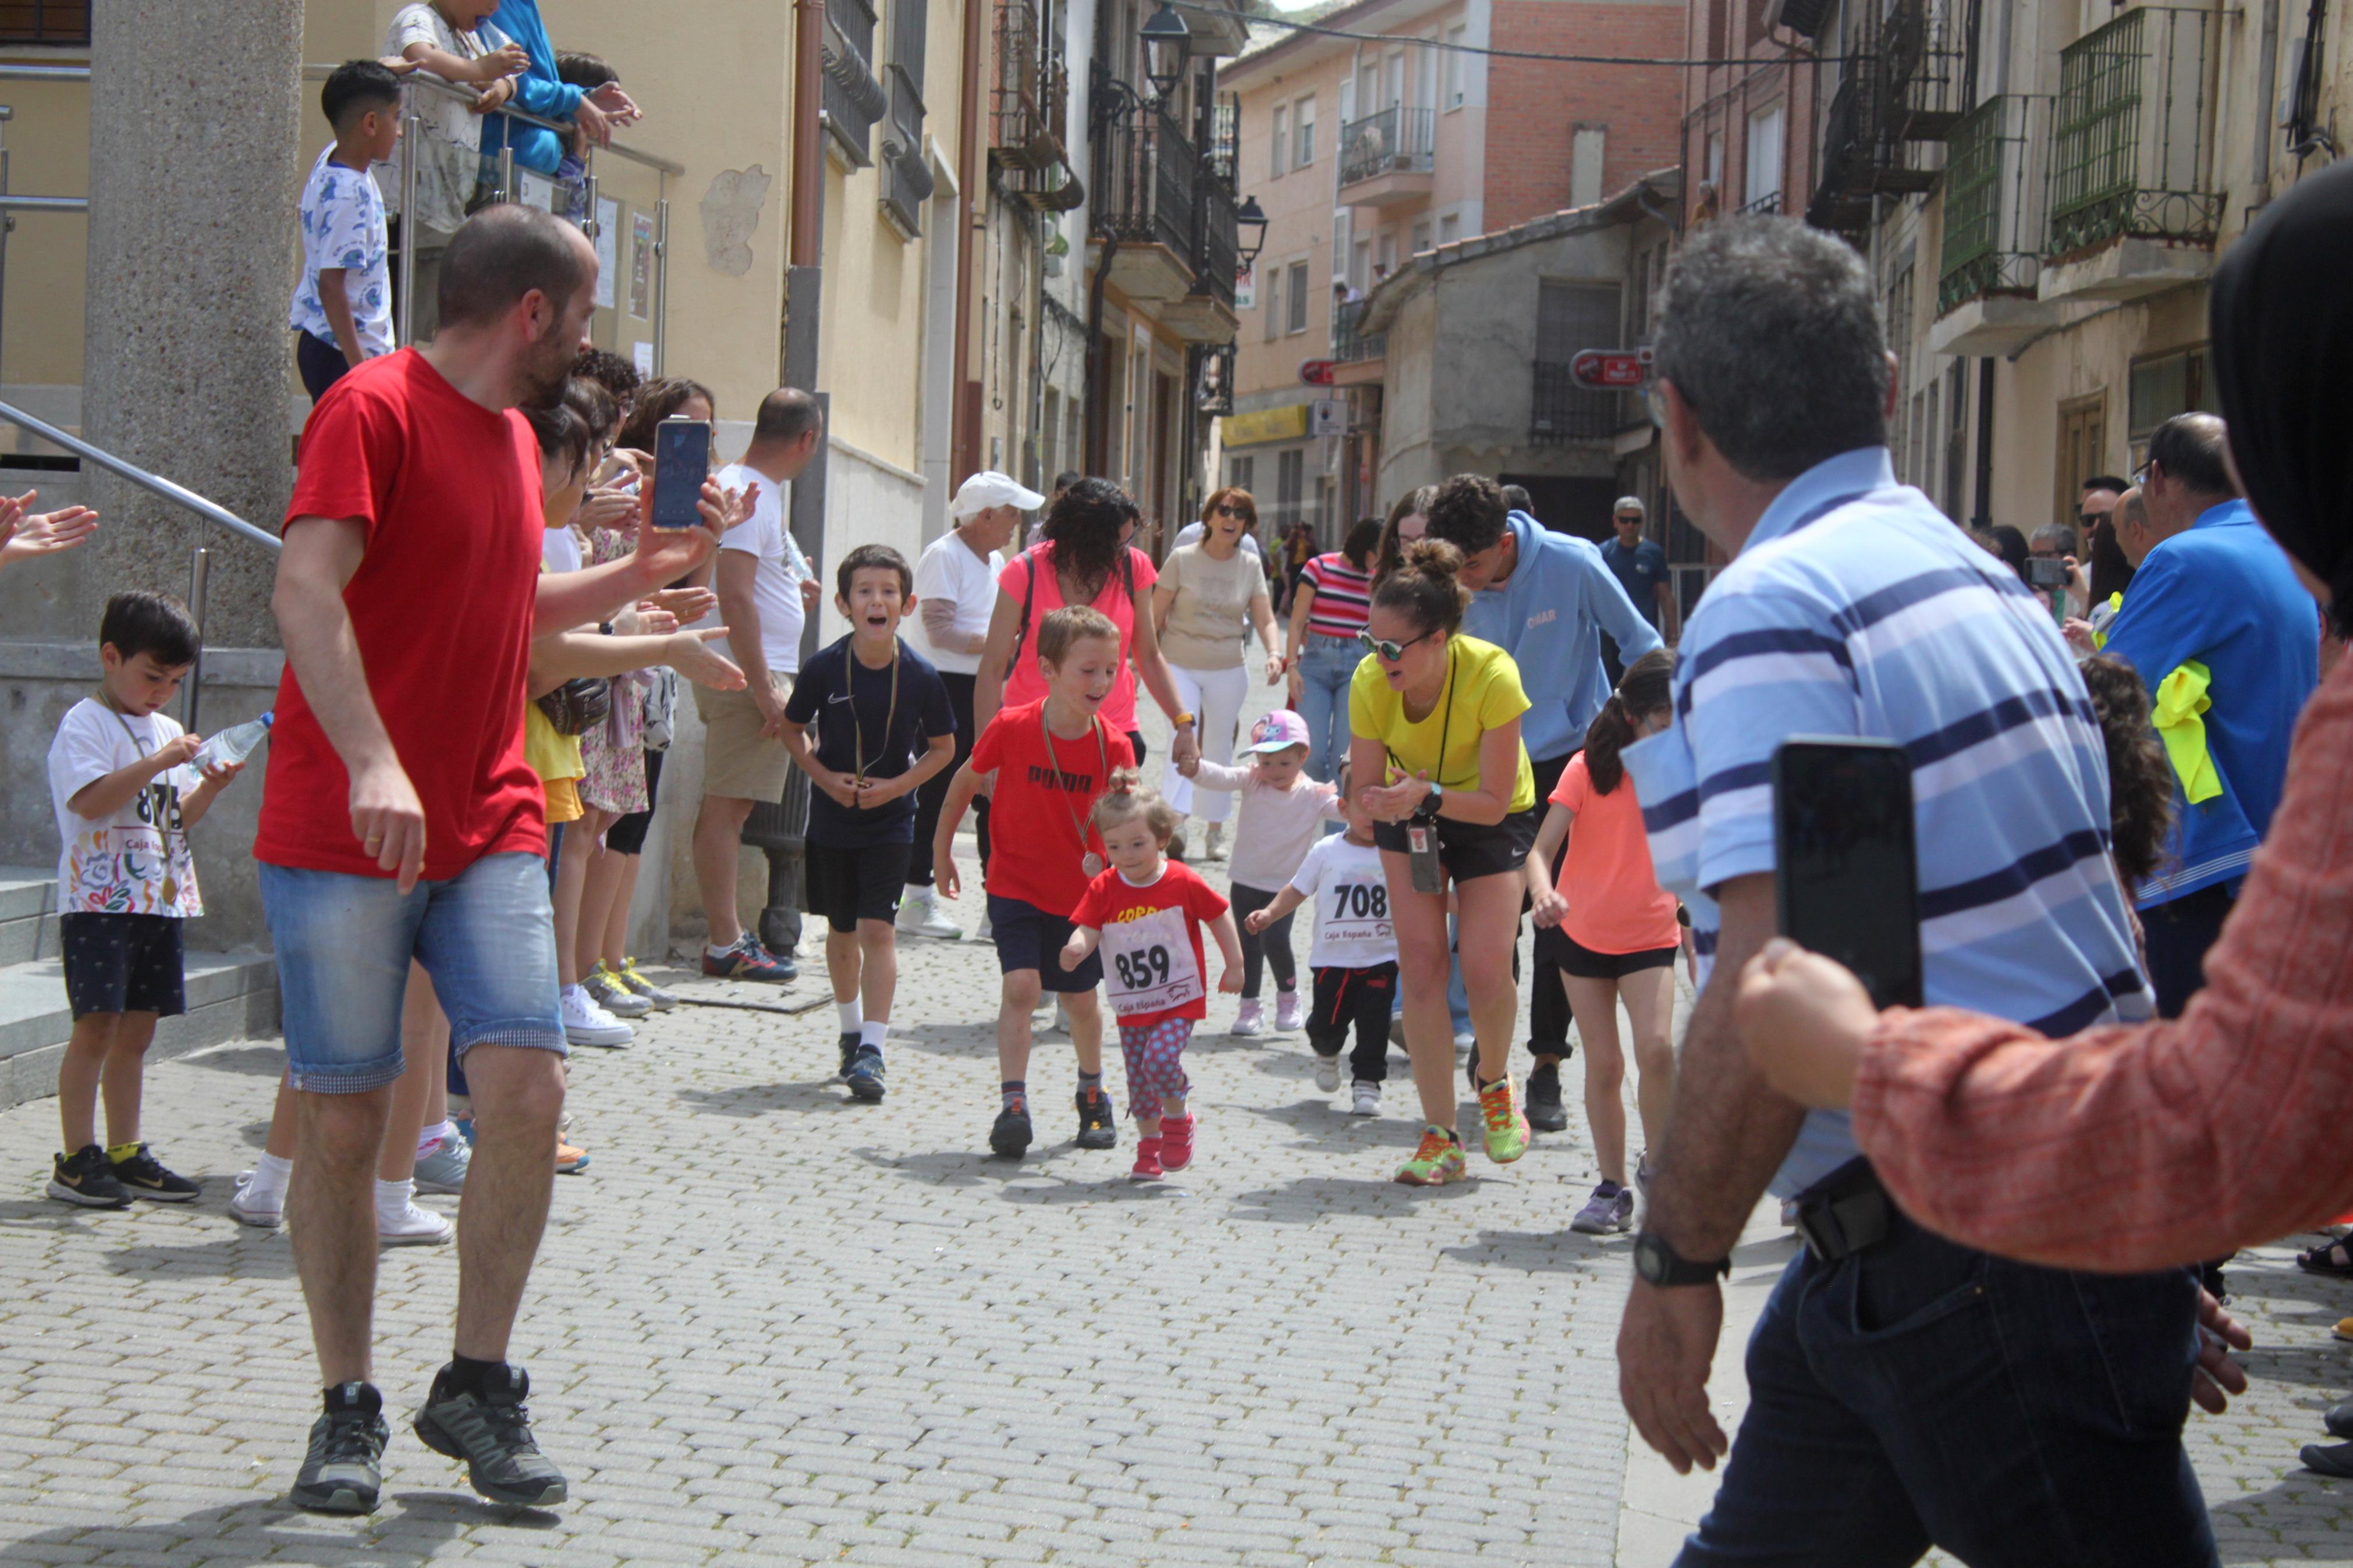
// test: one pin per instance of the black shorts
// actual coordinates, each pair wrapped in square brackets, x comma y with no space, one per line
[1030,938]
[1469,850]
[123,963]
[1582,962]
[627,834]
[848,884]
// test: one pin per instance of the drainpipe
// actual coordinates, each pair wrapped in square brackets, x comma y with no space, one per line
[1984,518]
[2267,73]
[963,439]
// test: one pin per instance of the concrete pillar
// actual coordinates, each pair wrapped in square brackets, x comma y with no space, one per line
[194,109]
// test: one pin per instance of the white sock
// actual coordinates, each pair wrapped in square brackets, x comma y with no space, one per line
[392,1198]
[430,1139]
[873,1031]
[269,1177]
[715,950]
[853,1017]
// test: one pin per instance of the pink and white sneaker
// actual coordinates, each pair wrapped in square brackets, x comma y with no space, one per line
[1288,1013]
[1176,1141]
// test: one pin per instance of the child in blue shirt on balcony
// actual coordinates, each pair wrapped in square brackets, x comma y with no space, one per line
[343,307]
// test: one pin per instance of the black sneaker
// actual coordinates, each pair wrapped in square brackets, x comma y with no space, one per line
[146,1177]
[1544,1111]
[848,1045]
[491,1432]
[1097,1127]
[864,1076]
[1010,1135]
[343,1468]
[88,1179]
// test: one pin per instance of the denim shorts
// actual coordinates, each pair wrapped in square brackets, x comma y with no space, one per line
[486,936]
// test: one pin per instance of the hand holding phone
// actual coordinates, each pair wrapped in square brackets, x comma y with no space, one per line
[681,462]
[1848,883]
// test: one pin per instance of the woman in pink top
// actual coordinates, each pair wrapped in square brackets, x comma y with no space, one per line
[1617,937]
[1083,559]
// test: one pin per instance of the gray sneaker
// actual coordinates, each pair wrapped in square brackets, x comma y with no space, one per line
[444,1169]
[343,1468]
[613,996]
[1610,1208]
[493,1434]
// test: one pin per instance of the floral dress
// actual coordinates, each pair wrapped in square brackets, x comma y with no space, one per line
[613,753]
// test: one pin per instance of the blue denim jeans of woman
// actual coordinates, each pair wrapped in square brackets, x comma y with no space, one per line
[1326,666]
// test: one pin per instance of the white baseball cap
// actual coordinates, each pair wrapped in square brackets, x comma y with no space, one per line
[988,489]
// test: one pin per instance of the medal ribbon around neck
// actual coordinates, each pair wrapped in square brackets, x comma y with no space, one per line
[1089,861]
[858,729]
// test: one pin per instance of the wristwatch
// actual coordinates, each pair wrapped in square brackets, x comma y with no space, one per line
[1659,1264]
[1429,806]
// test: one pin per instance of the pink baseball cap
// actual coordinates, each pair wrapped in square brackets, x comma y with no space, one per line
[1278,732]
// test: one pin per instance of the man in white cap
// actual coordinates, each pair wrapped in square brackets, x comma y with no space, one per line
[956,590]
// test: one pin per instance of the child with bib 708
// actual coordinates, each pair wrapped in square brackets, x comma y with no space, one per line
[1146,912]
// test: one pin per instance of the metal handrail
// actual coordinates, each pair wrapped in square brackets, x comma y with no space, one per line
[468,94]
[154,484]
[44,73]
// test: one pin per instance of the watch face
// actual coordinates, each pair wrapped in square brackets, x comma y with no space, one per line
[1650,1258]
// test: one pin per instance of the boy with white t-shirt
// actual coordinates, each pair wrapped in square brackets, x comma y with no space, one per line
[125,794]
[766,589]
[1354,954]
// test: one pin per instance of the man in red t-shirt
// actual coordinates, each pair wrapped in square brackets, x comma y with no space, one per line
[400,820]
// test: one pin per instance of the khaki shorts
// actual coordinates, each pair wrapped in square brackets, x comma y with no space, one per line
[737,764]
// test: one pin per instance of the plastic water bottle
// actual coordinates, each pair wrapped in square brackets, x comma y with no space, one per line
[233,744]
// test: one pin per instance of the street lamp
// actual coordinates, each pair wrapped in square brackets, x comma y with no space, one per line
[1250,231]
[1167,42]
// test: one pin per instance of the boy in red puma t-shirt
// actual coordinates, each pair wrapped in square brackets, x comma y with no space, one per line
[1049,759]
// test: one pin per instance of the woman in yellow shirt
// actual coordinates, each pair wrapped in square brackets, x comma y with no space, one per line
[1435,718]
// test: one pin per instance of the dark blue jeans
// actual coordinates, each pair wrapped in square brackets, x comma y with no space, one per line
[1919,1393]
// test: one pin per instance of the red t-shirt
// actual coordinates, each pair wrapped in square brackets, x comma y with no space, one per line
[1143,965]
[1039,812]
[1025,684]
[1615,903]
[448,493]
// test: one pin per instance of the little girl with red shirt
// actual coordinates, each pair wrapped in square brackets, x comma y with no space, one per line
[1145,913]
[1619,931]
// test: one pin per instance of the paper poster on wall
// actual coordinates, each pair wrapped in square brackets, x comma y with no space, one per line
[641,264]
[538,189]
[1246,288]
[641,354]
[608,251]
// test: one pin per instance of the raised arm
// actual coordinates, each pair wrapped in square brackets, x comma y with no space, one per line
[313,568]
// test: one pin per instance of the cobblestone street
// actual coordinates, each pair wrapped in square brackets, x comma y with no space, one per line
[771,1326]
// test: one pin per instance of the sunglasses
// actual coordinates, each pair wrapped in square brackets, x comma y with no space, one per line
[2091,519]
[1391,651]
[1227,508]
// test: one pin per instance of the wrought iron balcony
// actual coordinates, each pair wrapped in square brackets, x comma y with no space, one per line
[1144,176]
[1349,343]
[1924,64]
[1995,208]
[1396,141]
[2132,152]
[854,100]
[1566,412]
[1029,96]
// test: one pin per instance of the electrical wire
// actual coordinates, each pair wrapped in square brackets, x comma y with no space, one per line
[1207,7]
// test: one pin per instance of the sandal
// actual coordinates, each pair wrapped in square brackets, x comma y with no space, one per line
[2334,1258]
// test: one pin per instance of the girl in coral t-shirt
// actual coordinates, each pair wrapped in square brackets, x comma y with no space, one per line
[1619,931]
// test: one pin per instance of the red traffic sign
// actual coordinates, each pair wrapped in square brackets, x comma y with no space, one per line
[1317,372]
[1610,369]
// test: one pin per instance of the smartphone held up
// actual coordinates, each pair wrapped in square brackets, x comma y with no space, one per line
[1849,881]
[681,463]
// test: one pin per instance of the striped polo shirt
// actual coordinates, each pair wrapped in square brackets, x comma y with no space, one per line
[1855,608]
[1344,597]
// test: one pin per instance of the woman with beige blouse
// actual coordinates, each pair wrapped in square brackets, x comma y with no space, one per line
[1210,594]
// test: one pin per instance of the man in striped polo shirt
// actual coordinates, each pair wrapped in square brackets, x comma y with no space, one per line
[1904,1390]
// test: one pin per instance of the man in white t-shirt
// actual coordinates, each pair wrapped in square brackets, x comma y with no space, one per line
[956,593]
[766,590]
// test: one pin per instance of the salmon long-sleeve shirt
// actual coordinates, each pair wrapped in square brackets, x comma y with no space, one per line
[2133,1147]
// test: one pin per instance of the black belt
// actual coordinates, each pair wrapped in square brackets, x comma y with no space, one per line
[1844,1213]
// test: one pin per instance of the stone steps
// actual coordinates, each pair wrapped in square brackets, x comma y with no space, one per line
[231,995]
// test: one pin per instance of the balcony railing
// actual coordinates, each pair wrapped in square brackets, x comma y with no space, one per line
[1995,208]
[1144,171]
[1766,206]
[1924,64]
[1029,97]
[2132,152]
[854,100]
[1397,140]
[1566,412]
[1217,251]
[1350,344]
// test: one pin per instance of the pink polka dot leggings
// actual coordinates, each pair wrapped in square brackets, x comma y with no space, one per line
[1153,1056]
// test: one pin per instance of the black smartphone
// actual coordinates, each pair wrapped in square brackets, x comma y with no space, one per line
[1849,883]
[2045,573]
[681,462]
